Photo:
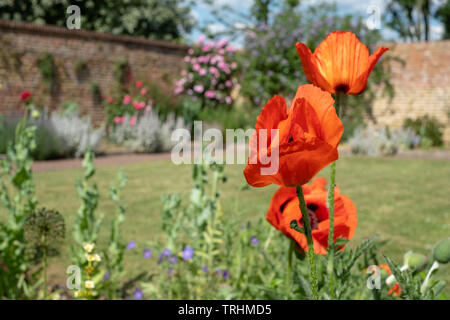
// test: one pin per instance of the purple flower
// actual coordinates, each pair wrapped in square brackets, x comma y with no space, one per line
[205,268]
[170,271]
[165,254]
[173,260]
[106,276]
[131,245]
[226,274]
[147,253]
[138,294]
[254,240]
[188,253]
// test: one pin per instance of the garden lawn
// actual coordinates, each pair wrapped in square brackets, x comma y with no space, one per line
[406,202]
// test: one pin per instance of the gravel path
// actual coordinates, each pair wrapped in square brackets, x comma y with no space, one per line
[128,158]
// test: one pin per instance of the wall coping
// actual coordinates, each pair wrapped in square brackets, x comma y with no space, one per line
[89,35]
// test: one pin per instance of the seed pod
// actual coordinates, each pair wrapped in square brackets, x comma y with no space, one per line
[441,251]
[415,261]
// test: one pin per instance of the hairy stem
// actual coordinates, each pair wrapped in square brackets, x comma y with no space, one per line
[309,239]
[330,264]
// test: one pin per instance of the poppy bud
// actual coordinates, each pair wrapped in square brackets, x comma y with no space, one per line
[415,261]
[441,251]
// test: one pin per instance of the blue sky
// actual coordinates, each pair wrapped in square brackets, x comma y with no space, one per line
[202,13]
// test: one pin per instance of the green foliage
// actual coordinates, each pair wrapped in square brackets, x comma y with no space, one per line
[116,247]
[429,129]
[47,68]
[410,19]
[17,195]
[81,69]
[443,14]
[121,72]
[87,225]
[158,19]
[86,230]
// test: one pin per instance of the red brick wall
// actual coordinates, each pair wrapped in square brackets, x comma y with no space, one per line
[422,85]
[22,44]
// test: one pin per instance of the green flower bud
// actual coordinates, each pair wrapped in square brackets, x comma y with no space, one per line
[35,114]
[441,251]
[415,261]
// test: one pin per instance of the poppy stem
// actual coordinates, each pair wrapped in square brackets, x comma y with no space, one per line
[309,239]
[331,249]
[289,267]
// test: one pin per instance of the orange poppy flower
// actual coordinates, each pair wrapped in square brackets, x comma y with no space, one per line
[284,208]
[306,138]
[396,290]
[341,63]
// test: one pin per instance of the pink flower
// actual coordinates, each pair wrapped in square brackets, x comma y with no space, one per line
[198,88]
[139,84]
[210,94]
[228,100]
[201,39]
[233,65]
[230,49]
[110,100]
[133,121]
[25,95]
[178,90]
[138,105]
[183,73]
[202,71]
[118,120]
[191,51]
[126,100]
[148,109]
[196,67]
[221,51]
[144,91]
[228,83]
[221,43]
[187,59]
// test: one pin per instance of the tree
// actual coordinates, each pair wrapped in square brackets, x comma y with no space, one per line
[157,19]
[443,14]
[410,18]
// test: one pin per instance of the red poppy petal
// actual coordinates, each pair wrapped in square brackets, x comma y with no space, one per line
[309,64]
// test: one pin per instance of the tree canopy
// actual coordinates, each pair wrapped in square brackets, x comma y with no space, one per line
[157,19]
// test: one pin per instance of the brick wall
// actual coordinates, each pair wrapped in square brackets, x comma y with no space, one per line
[422,85]
[22,44]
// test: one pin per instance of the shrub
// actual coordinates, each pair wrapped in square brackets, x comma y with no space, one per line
[380,142]
[208,74]
[147,133]
[429,130]
[57,136]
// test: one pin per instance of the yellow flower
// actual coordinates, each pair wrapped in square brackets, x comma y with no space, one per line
[77,294]
[88,247]
[89,284]
[93,257]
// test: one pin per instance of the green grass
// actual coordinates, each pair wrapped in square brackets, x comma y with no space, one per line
[404,201]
